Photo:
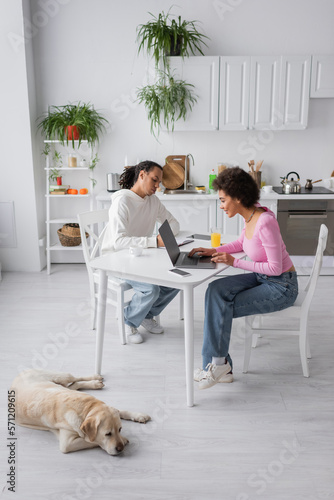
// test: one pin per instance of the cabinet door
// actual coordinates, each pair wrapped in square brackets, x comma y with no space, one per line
[193,215]
[322,82]
[264,92]
[294,92]
[232,225]
[203,73]
[234,93]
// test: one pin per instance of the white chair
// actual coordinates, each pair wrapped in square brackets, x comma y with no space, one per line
[94,223]
[257,325]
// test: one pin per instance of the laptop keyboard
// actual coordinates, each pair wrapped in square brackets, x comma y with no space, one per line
[189,261]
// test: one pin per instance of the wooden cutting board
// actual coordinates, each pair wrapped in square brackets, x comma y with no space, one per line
[173,171]
[172,175]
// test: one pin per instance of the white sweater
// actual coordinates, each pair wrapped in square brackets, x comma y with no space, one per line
[132,221]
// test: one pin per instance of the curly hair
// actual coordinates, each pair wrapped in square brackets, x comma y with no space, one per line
[130,174]
[239,185]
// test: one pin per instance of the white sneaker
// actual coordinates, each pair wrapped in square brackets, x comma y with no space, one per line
[213,375]
[132,335]
[152,326]
[199,374]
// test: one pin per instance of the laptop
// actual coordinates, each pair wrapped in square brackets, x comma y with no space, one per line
[181,259]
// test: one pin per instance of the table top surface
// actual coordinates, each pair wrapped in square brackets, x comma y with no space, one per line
[153,264]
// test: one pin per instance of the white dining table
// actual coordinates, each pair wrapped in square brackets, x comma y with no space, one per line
[153,267]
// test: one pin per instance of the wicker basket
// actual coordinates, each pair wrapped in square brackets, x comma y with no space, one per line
[69,235]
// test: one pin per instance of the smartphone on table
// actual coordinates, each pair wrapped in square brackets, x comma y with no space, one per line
[179,272]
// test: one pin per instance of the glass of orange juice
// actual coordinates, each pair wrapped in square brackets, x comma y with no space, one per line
[215,237]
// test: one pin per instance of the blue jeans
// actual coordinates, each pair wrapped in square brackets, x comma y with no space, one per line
[147,301]
[238,296]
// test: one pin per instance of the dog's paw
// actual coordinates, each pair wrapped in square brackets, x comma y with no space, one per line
[98,384]
[142,418]
[98,377]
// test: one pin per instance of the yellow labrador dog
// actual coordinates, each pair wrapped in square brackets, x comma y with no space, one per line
[48,401]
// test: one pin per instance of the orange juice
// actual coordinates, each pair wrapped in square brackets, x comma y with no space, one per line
[215,240]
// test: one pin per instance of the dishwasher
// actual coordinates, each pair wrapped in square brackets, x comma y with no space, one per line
[300,221]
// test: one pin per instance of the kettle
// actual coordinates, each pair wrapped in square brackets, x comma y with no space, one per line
[113,182]
[291,186]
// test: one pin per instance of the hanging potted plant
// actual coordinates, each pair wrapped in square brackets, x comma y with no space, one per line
[73,122]
[168,100]
[164,36]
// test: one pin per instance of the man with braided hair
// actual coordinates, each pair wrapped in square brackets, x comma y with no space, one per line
[133,214]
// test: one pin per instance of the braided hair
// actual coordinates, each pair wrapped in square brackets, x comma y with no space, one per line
[130,174]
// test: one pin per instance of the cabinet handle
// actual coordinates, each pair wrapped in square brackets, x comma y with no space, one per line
[308,216]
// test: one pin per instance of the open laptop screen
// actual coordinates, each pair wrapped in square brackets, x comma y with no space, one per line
[170,242]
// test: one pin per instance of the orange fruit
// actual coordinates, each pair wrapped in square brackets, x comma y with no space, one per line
[72,191]
[83,191]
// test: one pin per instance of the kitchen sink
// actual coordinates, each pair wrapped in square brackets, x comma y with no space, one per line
[183,191]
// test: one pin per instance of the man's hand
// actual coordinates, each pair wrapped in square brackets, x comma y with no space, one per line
[202,252]
[160,242]
[224,257]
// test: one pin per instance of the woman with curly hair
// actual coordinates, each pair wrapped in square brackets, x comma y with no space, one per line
[270,285]
[133,215]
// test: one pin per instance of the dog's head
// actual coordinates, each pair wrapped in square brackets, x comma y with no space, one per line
[103,426]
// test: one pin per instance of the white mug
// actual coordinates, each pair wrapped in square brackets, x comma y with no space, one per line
[267,189]
[135,251]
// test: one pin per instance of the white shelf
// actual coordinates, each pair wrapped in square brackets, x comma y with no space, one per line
[68,220]
[68,195]
[58,246]
[66,168]
[65,143]
[54,214]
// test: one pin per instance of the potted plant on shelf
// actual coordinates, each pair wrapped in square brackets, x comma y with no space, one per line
[168,100]
[164,36]
[55,174]
[94,161]
[73,122]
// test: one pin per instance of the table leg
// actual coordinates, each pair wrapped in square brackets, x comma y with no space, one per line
[189,342]
[101,319]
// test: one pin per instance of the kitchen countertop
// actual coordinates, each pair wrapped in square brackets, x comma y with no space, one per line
[105,196]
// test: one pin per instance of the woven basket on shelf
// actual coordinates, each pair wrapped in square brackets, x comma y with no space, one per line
[69,235]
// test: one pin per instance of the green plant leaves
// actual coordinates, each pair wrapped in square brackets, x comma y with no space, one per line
[89,122]
[162,34]
[167,101]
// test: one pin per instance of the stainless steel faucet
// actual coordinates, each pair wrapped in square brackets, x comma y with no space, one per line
[186,180]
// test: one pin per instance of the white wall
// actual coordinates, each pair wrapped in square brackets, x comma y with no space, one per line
[17,165]
[86,50]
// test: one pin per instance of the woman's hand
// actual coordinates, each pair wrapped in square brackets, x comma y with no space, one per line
[202,252]
[224,257]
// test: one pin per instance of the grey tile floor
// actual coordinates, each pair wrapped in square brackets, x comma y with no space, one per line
[268,435]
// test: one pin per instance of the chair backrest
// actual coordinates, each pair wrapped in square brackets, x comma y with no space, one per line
[91,222]
[312,282]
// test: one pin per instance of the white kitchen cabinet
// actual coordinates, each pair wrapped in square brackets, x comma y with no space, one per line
[234,93]
[264,92]
[63,209]
[228,225]
[294,92]
[322,79]
[255,92]
[279,92]
[196,214]
[203,73]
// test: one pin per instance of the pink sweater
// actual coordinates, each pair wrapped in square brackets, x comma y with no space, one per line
[266,248]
